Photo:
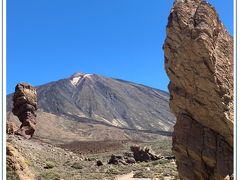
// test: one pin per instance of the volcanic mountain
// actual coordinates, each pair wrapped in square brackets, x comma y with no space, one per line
[97,101]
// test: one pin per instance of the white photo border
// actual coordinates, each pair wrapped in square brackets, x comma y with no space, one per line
[3,51]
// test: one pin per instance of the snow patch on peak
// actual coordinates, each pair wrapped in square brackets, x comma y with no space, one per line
[75,80]
[87,75]
[76,77]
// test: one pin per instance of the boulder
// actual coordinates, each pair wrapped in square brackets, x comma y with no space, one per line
[99,163]
[143,154]
[116,160]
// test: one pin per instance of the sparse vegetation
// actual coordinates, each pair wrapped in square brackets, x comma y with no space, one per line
[140,174]
[112,170]
[64,164]
[11,175]
[49,175]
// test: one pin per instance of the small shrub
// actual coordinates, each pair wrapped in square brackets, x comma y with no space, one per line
[67,163]
[139,174]
[76,165]
[27,162]
[49,165]
[142,174]
[11,174]
[49,175]
[112,171]
[163,161]
[154,163]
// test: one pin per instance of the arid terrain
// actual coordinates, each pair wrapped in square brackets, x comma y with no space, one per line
[71,136]
[78,160]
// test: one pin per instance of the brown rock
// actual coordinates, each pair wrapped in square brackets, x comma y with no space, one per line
[130,160]
[10,127]
[16,165]
[116,160]
[24,107]
[99,163]
[143,154]
[199,62]
[169,157]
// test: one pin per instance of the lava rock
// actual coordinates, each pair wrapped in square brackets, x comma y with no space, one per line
[130,160]
[143,154]
[99,163]
[117,160]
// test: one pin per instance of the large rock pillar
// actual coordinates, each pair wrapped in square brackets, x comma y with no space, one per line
[199,62]
[24,107]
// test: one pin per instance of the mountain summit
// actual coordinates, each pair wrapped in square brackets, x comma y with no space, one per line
[97,99]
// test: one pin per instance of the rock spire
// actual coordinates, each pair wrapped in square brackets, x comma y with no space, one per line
[199,62]
[24,107]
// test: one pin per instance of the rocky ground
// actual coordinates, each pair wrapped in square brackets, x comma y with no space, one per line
[49,162]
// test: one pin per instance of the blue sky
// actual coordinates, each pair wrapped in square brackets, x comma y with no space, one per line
[50,40]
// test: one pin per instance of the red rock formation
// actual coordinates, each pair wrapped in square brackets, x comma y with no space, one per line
[24,107]
[199,62]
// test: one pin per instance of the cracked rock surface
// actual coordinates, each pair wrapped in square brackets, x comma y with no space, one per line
[199,62]
[24,107]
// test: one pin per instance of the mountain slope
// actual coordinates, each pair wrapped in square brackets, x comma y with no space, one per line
[96,99]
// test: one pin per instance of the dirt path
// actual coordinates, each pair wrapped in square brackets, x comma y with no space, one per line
[129,176]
